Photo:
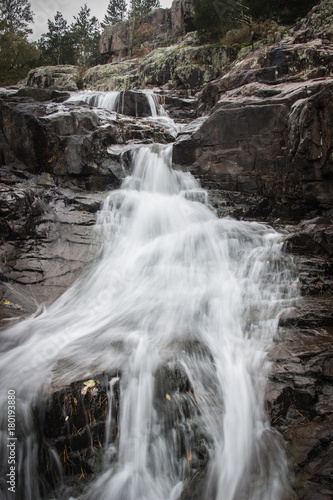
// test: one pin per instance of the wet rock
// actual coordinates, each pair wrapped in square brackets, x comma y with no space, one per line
[313,236]
[256,144]
[19,210]
[310,447]
[46,240]
[300,407]
[134,104]
[180,108]
[73,425]
[41,95]
[70,141]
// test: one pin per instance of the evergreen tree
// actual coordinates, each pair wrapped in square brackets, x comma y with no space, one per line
[17,54]
[86,33]
[17,57]
[284,11]
[15,15]
[214,19]
[143,7]
[115,12]
[56,44]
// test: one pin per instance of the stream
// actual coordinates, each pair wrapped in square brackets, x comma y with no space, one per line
[173,289]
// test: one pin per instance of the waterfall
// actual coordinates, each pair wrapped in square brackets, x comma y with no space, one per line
[113,101]
[107,100]
[173,290]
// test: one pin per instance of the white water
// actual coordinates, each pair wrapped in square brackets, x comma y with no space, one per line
[106,100]
[176,287]
[112,100]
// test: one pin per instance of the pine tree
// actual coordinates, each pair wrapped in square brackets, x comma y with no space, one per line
[56,44]
[143,7]
[86,33]
[15,15]
[214,19]
[115,12]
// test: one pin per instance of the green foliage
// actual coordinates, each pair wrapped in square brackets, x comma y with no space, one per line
[15,15]
[213,18]
[115,12]
[143,7]
[74,44]
[57,44]
[17,57]
[283,11]
[85,34]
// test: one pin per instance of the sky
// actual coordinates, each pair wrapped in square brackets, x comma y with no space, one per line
[46,9]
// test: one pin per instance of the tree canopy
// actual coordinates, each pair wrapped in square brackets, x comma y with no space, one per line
[17,54]
[213,18]
[86,33]
[115,12]
[142,7]
[16,15]
[57,44]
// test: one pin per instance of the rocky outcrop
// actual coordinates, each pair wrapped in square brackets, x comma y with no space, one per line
[185,66]
[317,24]
[274,141]
[161,27]
[69,141]
[46,238]
[114,76]
[54,77]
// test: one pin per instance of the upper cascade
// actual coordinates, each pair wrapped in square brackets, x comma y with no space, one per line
[142,103]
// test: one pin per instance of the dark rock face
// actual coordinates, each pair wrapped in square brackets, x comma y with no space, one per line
[46,235]
[73,424]
[312,237]
[273,141]
[134,104]
[299,394]
[70,141]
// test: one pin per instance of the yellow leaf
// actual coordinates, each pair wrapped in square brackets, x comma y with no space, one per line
[168,397]
[89,383]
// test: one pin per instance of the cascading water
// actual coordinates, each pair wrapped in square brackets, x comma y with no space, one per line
[174,290]
[107,100]
[115,101]
[112,100]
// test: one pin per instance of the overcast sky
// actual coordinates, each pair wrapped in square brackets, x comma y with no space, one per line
[46,9]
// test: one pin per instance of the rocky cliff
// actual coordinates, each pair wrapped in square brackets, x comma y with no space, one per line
[267,121]
[165,27]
